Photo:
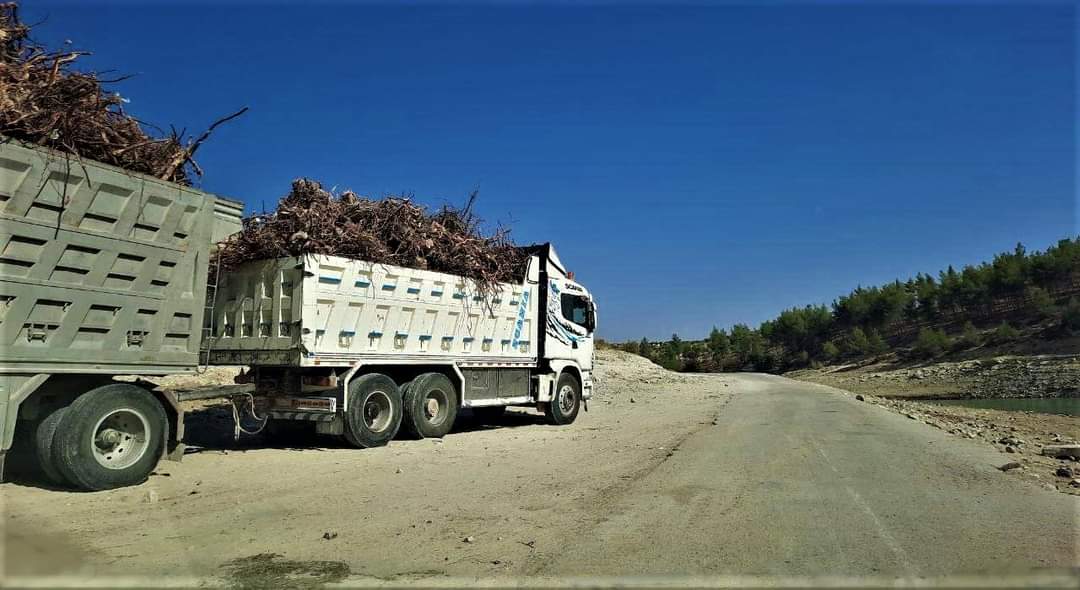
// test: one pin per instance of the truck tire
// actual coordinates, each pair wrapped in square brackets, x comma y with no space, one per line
[431,406]
[43,447]
[110,437]
[564,408]
[489,414]
[374,414]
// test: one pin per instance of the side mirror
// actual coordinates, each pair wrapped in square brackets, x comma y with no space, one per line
[532,270]
[591,318]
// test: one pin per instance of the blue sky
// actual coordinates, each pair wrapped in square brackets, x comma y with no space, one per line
[694,165]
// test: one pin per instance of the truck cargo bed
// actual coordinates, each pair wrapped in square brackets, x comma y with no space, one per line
[101,270]
[326,310]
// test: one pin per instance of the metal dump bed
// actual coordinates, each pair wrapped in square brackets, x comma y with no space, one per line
[101,270]
[331,311]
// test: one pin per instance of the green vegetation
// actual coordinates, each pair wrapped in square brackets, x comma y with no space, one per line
[970,337]
[914,317]
[930,343]
[1004,333]
[1040,303]
[1070,319]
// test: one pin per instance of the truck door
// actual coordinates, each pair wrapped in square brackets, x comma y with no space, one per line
[571,322]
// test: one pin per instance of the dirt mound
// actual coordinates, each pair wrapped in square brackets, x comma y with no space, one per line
[618,368]
[212,377]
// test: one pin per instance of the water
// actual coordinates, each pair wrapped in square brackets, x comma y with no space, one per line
[1043,405]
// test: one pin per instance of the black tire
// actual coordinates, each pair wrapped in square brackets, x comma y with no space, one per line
[431,406]
[110,437]
[375,412]
[564,408]
[489,414]
[43,448]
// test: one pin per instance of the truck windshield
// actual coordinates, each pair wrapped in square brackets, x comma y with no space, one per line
[575,308]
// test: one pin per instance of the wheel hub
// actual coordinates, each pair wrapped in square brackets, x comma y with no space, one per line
[567,398]
[435,404]
[121,438]
[377,411]
[109,438]
[431,408]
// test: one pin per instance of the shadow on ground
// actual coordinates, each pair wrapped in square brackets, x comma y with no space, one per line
[212,429]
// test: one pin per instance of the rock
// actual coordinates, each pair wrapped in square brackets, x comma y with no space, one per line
[1010,466]
[1010,449]
[633,401]
[329,535]
[1060,451]
[469,539]
[1075,483]
[860,397]
[1063,472]
[399,470]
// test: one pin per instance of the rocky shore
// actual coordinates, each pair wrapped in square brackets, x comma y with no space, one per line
[995,377]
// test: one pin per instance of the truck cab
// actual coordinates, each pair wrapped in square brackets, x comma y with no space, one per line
[569,324]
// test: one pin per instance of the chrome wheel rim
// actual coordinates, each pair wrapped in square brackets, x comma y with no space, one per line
[120,438]
[567,399]
[378,411]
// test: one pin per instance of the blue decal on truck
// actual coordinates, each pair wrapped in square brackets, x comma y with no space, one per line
[522,308]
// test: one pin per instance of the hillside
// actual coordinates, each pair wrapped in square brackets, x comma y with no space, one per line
[1019,303]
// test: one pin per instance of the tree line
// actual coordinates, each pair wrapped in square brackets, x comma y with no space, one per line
[922,317]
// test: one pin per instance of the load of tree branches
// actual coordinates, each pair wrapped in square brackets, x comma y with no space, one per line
[394,230]
[45,102]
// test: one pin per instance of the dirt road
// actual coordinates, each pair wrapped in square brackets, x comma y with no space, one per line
[667,474]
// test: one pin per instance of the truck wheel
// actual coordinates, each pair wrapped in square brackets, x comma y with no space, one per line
[374,414]
[43,447]
[489,414]
[431,406]
[564,408]
[110,437]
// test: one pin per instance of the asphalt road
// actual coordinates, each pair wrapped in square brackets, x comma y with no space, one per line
[799,480]
[669,479]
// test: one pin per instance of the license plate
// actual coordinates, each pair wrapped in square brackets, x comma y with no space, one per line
[307,404]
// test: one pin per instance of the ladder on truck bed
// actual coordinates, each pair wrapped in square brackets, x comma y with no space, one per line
[208,331]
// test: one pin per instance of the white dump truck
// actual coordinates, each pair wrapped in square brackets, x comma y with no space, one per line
[103,272]
[362,349]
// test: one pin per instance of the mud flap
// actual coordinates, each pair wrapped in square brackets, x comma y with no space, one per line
[177,453]
[174,441]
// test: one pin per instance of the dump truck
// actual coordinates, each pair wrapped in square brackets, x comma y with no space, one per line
[359,349]
[103,272]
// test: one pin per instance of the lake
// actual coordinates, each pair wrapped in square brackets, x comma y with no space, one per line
[1043,405]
